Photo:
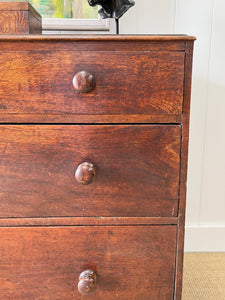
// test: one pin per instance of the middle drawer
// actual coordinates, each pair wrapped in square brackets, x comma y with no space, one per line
[134,169]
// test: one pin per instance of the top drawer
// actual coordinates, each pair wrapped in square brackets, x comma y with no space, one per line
[131,82]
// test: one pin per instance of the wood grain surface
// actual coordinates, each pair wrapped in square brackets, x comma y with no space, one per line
[184,167]
[126,83]
[88,119]
[86,221]
[137,170]
[130,262]
[128,224]
[148,40]
[16,6]
[18,18]
[14,22]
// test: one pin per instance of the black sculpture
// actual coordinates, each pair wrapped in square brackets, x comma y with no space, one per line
[112,8]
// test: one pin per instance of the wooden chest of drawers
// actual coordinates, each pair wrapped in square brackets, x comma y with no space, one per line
[93,163]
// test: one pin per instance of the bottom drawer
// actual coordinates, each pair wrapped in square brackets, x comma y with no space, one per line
[129,262]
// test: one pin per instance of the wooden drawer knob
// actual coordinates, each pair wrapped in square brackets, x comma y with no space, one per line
[85,173]
[87,282]
[84,82]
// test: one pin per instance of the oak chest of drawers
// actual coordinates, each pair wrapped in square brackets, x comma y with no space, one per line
[93,163]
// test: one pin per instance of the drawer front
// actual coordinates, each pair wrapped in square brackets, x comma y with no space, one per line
[129,170]
[130,263]
[145,82]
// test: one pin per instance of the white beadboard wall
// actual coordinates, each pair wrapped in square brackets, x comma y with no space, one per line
[205,19]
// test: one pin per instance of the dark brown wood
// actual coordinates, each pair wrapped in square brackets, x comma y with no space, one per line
[35,23]
[84,82]
[148,38]
[19,18]
[183,173]
[87,282]
[43,80]
[130,262]
[137,167]
[88,119]
[85,173]
[86,221]
[141,170]
[69,43]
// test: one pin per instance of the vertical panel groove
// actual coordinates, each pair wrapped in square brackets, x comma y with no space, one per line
[205,117]
[175,16]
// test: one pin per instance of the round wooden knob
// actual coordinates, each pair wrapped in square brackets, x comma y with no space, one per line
[85,173]
[87,282]
[84,82]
